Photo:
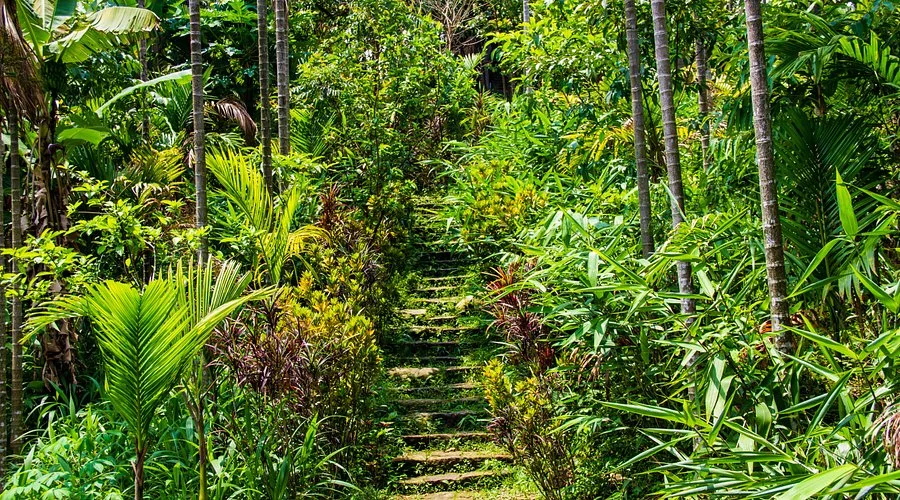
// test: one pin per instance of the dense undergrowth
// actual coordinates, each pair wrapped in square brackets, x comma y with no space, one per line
[260,374]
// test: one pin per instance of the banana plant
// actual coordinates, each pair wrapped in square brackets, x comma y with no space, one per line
[148,338]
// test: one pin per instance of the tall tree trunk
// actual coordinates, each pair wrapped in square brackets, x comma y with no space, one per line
[637,119]
[265,116]
[4,355]
[670,139]
[282,69]
[526,11]
[142,58]
[16,372]
[199,130]
[701,57]
[768,191]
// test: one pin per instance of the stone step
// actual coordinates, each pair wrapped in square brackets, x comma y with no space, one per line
[441,329]
[444,279]
[407,372]
[430,439]
[436,403]
[437,291]
[413,312]
[448,418]
[431,460]
[413,361]
[420,349]
[462,386]
[451,480]
[418,376]
[438,300]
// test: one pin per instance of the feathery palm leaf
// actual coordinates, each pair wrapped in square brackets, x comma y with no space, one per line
[148,338]
[811,152]
[244,187]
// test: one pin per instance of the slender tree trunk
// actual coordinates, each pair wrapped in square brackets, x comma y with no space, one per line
[637,119]
[138,468]
[265,115]
[16,375]
[4,355]
[526,11]
[199,130]
[201,442]
[142,58]
[702,99]
[670,139]
[768,191]
[282,69]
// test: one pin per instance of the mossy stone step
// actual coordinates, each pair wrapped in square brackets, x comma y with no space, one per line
[435,361]
[427,371]
[446,418]
[438,300]
[444,437]
[437,291]
[451,480]
[437,403]
[441,329]
[433,460]
[463,386]
[417,376]
[444,279]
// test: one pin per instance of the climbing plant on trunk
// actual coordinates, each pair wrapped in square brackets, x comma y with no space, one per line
[765,161]
[282,69]
[637,121]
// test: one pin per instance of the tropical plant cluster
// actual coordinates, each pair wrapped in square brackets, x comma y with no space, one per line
[684,216]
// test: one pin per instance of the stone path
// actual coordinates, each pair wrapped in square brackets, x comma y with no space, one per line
[438,404]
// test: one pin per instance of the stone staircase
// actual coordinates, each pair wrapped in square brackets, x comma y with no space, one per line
[437,402]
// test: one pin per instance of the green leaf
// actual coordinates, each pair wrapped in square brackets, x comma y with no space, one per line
[820,256]
[180,77]
[885,298]
[593,267]
[83,134]
[845,207]
[651,411]
[815,484]
[826,343]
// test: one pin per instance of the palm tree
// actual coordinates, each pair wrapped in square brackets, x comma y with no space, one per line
[700,58]
[199,135]
[20,93]
[670,139]
[768,191]
[637,119]
[147,339]
[270,222]
[282,67]
[16,425]
[265,116]
[4,411]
